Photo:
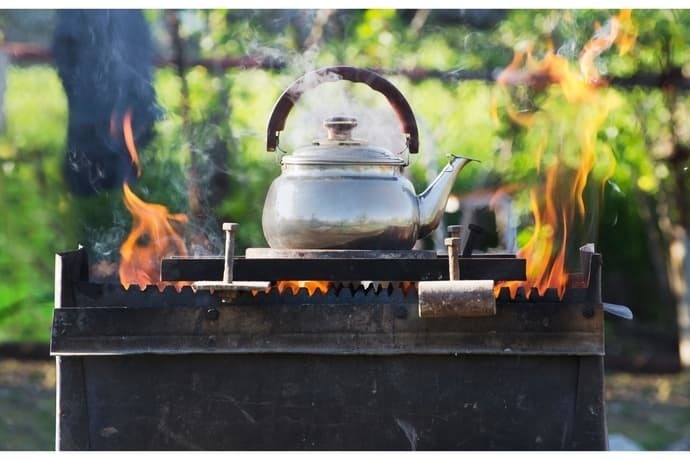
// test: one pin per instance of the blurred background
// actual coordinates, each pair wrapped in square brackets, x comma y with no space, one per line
[193,90]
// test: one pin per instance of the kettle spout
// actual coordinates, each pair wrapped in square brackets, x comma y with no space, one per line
[432,201]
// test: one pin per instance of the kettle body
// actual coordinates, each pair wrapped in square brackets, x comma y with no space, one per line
[341,207]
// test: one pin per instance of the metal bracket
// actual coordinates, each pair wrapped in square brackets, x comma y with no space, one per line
[227,288]
[463,298]
[620,311]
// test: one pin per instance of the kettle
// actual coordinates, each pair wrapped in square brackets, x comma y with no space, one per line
[340,192]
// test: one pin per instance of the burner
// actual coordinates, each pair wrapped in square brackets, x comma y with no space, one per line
[231,367]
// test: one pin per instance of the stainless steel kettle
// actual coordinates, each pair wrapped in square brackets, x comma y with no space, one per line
[340,192]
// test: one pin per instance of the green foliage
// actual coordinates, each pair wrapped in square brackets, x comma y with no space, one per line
[228,110]
[36,213]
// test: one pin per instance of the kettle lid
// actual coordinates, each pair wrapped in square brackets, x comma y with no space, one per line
[341,148]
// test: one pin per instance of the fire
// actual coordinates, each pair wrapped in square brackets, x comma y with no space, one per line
[558,204]
[323,286]
[129,139]
[311,286]
[153,237]
[153,234]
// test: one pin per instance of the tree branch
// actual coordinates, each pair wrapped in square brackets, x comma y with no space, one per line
[23,53]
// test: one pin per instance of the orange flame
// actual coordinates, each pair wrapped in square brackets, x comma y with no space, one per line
[129,139]
[557,202]
[619,30]
[153,237]
[323,286]
[311,286]
[153,234]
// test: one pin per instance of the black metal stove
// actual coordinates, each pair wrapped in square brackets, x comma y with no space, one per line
[354,368]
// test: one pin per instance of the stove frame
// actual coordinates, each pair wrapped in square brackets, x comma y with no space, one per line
[351,369]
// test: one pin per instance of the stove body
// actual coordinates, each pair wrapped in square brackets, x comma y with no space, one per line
[349,369]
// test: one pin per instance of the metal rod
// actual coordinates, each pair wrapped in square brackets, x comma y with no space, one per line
[229,228]
[455,231]
[453,245]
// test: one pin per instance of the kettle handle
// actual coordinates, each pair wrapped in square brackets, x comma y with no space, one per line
[354,74]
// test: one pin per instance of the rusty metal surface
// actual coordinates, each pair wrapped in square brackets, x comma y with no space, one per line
[319,402]
[70,268]
[72,414]
[211,268]
[349,369]
[455,298]
[113,320]
[86,294]
[327,325]
[589,416]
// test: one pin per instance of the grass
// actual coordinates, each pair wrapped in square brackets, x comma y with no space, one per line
[652,410]
[27,405]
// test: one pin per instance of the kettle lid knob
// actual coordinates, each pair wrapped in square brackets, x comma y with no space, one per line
[340,127]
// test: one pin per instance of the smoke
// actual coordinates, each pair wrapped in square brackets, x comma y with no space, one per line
[208,148]
[328,96]
[323,95]
[378,123]
[102,241]
[104,59]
